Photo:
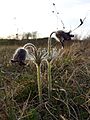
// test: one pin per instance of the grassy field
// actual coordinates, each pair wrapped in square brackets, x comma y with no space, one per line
[70,73]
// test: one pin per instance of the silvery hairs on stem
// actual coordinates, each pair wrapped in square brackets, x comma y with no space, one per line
[54,53]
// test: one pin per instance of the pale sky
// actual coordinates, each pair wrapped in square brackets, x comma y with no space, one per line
[37,15]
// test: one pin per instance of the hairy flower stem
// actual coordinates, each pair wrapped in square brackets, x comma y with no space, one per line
[49,80]
[39,83]
[49,69]
[49,45]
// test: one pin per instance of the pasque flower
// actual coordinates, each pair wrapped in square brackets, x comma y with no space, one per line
[37,56]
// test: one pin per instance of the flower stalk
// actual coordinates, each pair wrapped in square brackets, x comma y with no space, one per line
[49,45]
[51,56]
[38,56]
[49,80]
[49,68]
[39,82]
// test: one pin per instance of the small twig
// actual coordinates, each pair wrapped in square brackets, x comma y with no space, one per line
[71,75]
[24,106]
[49,111]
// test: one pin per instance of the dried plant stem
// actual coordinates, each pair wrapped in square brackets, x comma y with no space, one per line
[24,107]
[39,83]
[50,111]
[49,80]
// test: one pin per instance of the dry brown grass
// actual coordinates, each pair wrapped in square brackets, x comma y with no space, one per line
[71,86]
